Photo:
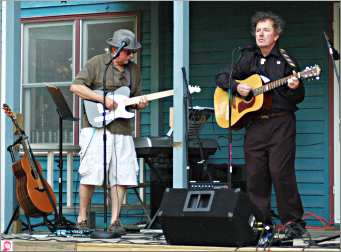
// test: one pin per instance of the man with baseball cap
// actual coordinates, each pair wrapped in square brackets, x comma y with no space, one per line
[121,159]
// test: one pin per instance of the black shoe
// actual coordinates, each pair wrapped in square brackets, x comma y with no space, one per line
[294,230]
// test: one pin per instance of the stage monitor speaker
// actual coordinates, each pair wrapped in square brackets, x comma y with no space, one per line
[219,217]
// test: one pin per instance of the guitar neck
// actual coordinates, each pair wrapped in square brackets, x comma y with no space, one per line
[27,150]
[18,128]
[149,97]
[272,85]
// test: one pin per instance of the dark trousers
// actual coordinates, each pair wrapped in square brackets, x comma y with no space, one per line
[270,158]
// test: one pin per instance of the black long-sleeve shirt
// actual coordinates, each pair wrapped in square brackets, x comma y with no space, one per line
[274,67]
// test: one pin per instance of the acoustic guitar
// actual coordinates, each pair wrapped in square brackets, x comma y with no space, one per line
[34,194]
[94,110]
[241,107]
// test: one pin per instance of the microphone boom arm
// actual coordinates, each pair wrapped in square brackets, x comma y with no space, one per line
[334,54]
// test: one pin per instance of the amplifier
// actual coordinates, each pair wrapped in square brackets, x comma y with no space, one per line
[207,185]
[219,217]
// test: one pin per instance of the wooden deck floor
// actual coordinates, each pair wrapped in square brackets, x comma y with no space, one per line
[147,242]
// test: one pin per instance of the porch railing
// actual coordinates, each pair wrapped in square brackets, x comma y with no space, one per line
[50,151]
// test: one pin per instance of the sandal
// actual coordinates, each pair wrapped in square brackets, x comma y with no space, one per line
[116,227]
[82,225]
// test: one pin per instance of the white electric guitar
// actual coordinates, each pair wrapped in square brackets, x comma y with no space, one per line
[94,110]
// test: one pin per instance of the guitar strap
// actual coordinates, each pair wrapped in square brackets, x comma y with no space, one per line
[287,58]
[127,74]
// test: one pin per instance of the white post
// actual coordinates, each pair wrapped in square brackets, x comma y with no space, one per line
[69,170]
[10,88]
[181,59]
[141,178]
[50,166]
[337,118]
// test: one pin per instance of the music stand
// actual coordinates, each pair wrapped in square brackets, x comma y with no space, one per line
[197,117]
[64,113]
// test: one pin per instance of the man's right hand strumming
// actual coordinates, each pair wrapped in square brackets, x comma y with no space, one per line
[86,93]
[243,89]
[110,103]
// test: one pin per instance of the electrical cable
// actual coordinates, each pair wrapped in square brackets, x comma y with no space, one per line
[319,218]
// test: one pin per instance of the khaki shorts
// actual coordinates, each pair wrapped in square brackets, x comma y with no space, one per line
[122,167]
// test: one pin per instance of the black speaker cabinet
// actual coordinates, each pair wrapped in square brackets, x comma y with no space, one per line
[220,217]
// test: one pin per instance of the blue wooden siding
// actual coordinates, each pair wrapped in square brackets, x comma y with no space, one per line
[55,8]
[215,29]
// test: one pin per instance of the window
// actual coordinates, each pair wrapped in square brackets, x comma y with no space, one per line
[47,54]
[95,32]
[53,51]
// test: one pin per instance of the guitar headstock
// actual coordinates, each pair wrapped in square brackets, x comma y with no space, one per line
[311,72]
[194,89]
[17,128]
[8,111]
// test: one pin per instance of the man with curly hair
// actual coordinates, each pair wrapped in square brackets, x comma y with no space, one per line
[270,133]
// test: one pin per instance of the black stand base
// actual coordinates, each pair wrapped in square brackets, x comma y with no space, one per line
[15,216]
[28,226]
[104,235]
[63,223]
[154,224]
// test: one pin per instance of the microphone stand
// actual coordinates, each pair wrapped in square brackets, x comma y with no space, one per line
[229,177]
[105,234]
[186,101]
[334,56]
[335,70]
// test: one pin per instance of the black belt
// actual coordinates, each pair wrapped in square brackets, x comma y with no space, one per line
[271,115]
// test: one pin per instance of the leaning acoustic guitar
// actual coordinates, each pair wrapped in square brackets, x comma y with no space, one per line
[241,107]
[34,194]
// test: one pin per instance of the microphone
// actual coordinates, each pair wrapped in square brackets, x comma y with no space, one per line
[332,51]
[125,42]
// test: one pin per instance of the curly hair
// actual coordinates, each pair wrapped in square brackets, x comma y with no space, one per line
[278,22]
